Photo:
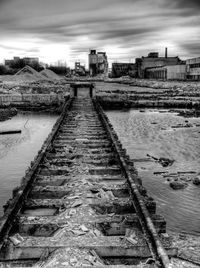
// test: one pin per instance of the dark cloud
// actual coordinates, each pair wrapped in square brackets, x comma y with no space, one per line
[132,27]
[187,3]
[192,47]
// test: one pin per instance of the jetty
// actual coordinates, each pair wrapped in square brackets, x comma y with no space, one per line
[81,202]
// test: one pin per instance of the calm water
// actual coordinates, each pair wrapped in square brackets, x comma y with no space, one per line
[150,132]
[18,150]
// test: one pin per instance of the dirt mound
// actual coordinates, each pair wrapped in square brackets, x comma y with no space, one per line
[49,74]
[29,72]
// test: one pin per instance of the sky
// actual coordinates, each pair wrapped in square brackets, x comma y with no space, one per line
[65,30]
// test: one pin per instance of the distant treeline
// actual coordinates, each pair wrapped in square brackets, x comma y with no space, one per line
[62,70]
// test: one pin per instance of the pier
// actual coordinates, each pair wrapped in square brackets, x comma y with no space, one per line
[81,202]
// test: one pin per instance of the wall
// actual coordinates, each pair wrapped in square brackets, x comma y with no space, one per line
[30,99]
[172,72]
[156,73]
[176,72]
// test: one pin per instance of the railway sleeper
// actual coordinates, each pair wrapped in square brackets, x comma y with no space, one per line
[108,225]
[121,206]
[60,191]
[105,247]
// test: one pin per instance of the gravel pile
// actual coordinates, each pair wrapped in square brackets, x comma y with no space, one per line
[49,74]
[29,73]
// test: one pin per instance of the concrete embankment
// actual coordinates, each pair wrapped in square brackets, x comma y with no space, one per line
[115,96]
[31,101]
[120,102]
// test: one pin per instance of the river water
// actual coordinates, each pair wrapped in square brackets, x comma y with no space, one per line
[18,150]
[150,132]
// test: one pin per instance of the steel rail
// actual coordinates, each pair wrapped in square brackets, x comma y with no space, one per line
[8,219]
[153,240]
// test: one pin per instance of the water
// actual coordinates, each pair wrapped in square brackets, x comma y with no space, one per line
[150,132]
[18,150]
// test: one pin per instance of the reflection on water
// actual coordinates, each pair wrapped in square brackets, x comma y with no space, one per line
[18,150]
[150,132]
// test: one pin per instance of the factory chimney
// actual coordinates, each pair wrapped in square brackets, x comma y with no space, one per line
[166,52]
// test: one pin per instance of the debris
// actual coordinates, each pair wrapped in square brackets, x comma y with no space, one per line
[177,185]
[196,181]
[72,212]
[17,131]
[78,232]
[77,203]
[84,228]
[150,261]
[162,160]
[16,239]
[131,236]
[96,232]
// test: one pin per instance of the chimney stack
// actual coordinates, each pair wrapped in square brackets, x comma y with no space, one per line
[166,52]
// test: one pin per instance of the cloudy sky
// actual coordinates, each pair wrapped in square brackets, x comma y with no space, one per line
[66,29]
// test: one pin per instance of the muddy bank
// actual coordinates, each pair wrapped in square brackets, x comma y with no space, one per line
[6,114]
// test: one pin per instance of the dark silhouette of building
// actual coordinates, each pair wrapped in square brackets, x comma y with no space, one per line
[153,60]
[98,63]
[123,69]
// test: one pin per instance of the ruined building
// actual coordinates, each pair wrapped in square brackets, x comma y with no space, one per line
[98,63]
[123,69]
[153,60]
[79,69]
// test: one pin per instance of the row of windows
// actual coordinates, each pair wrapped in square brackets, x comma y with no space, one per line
[195,65]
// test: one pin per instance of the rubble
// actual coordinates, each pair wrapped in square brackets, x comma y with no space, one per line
[162,160]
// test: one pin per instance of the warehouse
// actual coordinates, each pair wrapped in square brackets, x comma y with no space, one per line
[172,72]
[193,68]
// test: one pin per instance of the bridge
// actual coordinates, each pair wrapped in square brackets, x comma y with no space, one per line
[81,203]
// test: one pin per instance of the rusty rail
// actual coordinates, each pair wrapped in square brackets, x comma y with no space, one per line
[6,222]
[154,243]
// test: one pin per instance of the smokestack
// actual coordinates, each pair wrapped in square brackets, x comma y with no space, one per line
[166,52]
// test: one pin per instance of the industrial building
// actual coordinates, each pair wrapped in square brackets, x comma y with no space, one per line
[123,69]
[153,60]
[193,68]
[20,62]
[186,70]
[170,72]
[98,63]
[79,69]
[30,61]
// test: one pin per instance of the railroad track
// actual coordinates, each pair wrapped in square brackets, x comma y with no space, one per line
[82,203]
